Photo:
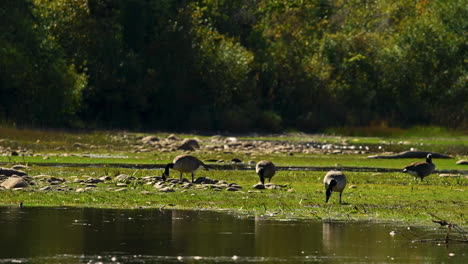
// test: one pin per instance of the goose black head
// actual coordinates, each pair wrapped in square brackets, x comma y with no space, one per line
[429,158]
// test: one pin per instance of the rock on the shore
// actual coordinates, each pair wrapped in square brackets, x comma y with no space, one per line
[14,182]
[11,172]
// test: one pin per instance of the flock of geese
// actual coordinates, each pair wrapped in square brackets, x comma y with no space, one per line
[334,181]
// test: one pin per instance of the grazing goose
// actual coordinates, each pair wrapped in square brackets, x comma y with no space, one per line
[184,164]
[265,169]
[334,181]
[421,169]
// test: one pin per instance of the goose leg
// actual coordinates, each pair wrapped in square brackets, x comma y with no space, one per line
[181,176]
[192,177]
[340,196]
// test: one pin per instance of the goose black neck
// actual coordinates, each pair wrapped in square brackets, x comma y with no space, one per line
[429,159]
[168,166]
[333,182]
[329,189]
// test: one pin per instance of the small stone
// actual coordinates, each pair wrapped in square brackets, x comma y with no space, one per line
[259,186]
[148,139]
[146,192]
[235,185]
[189,144]
[80,190]
[94,180]
[54,179]
[352,186]
[449,175]
[20,167]
[219,185]
[121,184]
[186,185]
[462,162]
[272,186]
[175,181]
[159,185]
[78,145]
[120,189]
[172,137]
[124,178]
[205,180]
[45,188]
[105,178]
[232,189]
[166,189]
[148,178]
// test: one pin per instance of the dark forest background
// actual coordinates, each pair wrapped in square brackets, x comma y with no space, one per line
[233,65]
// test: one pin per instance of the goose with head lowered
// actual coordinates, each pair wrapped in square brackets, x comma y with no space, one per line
[335,181]
[265,169]
[184,164]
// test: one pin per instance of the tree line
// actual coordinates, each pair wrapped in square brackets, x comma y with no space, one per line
[233,65]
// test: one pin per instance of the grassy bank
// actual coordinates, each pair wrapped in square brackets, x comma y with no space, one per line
[388,196]
[374,196]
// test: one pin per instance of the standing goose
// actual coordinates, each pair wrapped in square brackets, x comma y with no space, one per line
[184,164]
[421,169]
[334,181]
[265,169]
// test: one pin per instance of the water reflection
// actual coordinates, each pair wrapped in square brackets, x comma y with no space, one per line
[73,235]
[333,235]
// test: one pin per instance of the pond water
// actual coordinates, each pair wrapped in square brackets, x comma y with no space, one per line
[86,235]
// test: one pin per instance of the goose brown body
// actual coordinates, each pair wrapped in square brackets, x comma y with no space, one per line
[265,169]
[421,169]
[335,181]
[184,164]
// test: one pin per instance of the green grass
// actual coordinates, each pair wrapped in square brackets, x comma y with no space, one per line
[378,196]
[285,160]
[391,196]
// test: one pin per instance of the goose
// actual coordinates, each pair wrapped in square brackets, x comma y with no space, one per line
[420,169]
[265,169]
[184,164]
[334,181]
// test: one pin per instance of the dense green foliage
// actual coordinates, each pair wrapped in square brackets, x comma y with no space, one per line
[233,65]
